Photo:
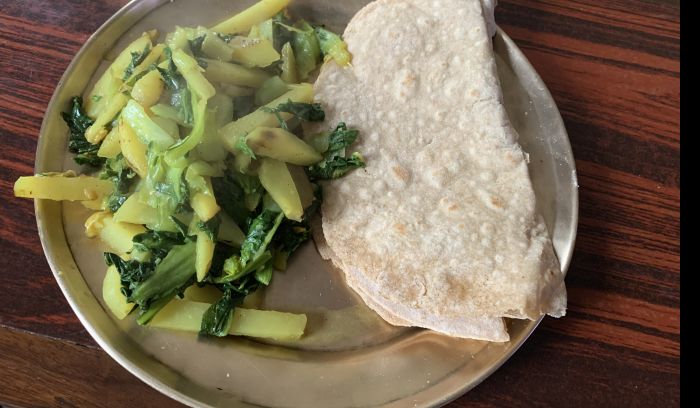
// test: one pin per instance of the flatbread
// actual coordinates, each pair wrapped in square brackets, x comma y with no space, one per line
[491,329]
[440,229]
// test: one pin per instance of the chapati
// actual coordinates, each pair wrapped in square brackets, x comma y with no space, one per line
[440,229]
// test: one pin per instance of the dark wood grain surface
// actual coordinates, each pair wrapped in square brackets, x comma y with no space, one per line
[613,69]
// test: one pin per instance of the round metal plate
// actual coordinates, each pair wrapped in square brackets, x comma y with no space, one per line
[349,357]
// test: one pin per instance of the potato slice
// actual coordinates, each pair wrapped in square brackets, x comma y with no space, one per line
[186,315]
[62,186]
[260,118]
[135,211]
[113,296]
[204,254]
[110,145]
[287,185]
[253,52]
[133,149]
[116,235]
[147,90]
[282,145]
[257,13]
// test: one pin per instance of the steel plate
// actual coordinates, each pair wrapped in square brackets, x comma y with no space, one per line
[349,357]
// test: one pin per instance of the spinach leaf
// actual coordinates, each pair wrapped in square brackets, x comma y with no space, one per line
[217,319]
[152,284]
[155,245]
[232,270]
[335,167]
[118,172]
[226,37]
[132,81]
[136,59]
[165,189]
[311,112]
[242,146]
[307,50]
[280,34]
[196,46]
[180,94]
[147,313]
[238,194]
[290,235]
[260,233]
[222,252]
[78,121]
[169,276]
[254,252]
[334,163]
[341,137]
[211,227]
[264,273]
[181,226]
[251,187]
[131,272]
[230,196]
[332,46]
[243,105]
[249,184]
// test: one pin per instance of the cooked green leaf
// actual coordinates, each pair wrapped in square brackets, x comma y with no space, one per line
[307,50]
[196,46]
[217,319]
[230,196]
[166,189]
[180,94]
[332,46]
[336,167]
[280,34]
[260,233]
[131,272]
[226,37]
[78,121]
[118,171]
[154,307]
[242,146]
[155,245]
[211,227]
[334,163]
[169,275]
[136,59]
[254,252]
[341,137]
[243,105]
[290,235]
[251,187]
[249,184]
[264,274]
[222,252]
[140,75]
[311,112]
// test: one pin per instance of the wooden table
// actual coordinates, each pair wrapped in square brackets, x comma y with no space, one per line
[613,68]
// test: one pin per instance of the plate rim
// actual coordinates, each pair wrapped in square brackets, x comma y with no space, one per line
[42,208]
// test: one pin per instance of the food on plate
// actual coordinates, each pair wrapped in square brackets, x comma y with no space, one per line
[440,229]
[206,154]
[199,175]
